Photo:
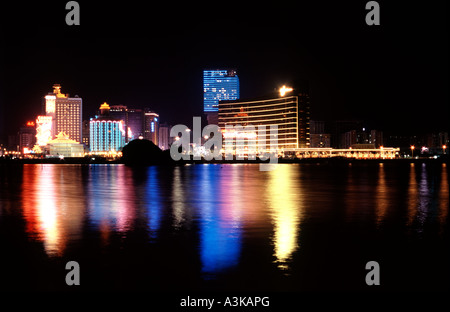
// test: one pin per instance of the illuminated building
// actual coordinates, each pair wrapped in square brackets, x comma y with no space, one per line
[164,137]
[120,112]
[63,146]
[43,130]
[151,126]
[135,123]
[66,113]
[218,85]
[290,113]
[107,134]
[133,120]
[27,137]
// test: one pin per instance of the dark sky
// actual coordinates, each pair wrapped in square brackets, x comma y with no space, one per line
[394,76]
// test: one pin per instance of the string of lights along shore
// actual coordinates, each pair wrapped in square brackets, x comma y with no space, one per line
[60,130]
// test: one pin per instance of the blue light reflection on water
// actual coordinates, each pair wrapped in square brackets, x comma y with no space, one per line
[153,201]
[220,231]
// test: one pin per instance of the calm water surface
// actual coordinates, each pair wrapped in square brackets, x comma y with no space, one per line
[225,227]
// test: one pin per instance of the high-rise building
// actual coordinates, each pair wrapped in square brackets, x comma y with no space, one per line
[218,85]
[27,137]
[290,113]
[66,113]
[120,112]
[338,130]
[164,136]
[318,134]
[151,126]
[362,137]
[135,123]
[107,134]
[133,119]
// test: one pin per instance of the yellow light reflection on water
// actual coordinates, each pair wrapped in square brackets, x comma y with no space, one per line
[443,196]
[412,195]
[382,199]
[286,211]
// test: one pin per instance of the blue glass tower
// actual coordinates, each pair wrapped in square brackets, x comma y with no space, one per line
[219,84]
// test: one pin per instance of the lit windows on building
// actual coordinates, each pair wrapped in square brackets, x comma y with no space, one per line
[66,113]
[151,126]
[290,114]
[107,134]
[218,85]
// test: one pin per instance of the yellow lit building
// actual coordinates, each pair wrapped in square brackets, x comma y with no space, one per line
[63,146]
[66,113]
[290,113]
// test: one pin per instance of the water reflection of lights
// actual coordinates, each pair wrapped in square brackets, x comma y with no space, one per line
[424,199]
[220,218]
[443,196]
[153,201]
[47,212]
[426,202]
[178,207]
[112,199]
[51,207]
[382,199]
[286,210]
[412,194]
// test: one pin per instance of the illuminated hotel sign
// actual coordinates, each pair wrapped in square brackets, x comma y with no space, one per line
[43,130]
[283,90]
[231,134]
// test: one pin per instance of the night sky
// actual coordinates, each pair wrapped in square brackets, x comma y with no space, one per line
[395,76]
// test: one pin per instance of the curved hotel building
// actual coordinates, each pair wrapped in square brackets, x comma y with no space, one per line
[289,113]
[107,134]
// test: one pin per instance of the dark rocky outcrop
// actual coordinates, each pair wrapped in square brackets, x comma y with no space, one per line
[145,153]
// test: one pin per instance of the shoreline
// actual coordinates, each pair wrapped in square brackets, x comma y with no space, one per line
[332,160]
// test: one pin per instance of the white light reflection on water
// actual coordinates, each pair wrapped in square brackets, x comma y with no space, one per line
[427,203]
[51,205]
[178,199]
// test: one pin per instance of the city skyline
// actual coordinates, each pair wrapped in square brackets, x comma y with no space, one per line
[355,71]
[225,154]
